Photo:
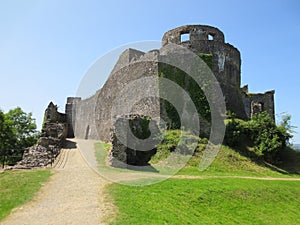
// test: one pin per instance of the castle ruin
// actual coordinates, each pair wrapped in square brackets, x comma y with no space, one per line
[92,118]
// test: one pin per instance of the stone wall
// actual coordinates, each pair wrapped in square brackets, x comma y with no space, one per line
[93,118]
[52,115]
[71,114]
[125,149]
[259,102]
[119,92]
[85,120]
[54,133]
[196,32]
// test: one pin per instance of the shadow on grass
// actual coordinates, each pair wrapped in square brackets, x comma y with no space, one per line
[288,160]
[102,151]
[146,168]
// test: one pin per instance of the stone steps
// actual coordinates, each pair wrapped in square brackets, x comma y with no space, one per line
[61,159]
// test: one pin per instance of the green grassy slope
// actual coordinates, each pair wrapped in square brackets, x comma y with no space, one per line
[211,200]
[208,201]
[234,163]
[229,162]
[19,187]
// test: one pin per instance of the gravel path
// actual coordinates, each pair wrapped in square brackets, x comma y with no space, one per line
[72,196]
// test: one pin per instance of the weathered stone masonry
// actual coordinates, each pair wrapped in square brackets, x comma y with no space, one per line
[54,133]
[93,118]
[258,102]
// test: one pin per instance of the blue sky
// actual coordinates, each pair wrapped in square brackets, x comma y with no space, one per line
[47,46]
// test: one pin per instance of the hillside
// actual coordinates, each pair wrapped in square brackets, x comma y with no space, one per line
[237,163]
[229,162]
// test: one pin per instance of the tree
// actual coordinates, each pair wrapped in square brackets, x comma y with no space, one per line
[286,129]
[7,137]
[24,128]
[17,132]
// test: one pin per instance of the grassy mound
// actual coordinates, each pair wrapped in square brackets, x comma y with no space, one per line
[234,162]
[241,161]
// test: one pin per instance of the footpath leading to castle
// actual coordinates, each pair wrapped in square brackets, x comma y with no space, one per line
[74,195]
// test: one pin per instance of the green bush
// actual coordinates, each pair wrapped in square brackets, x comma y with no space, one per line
[262,132]
[182,141]
[267,137]
[236,132]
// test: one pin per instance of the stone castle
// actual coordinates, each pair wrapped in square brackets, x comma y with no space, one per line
[92,118]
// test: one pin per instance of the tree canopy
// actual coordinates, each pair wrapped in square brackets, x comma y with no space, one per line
[17,132]
[23,126]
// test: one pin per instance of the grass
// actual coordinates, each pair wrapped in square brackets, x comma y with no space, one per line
[101,152]
[229,162]
[241,161]
[208,201]
[19,187]
[211,200]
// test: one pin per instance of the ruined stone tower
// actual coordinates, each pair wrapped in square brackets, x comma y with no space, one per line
[226,61]
[92,118]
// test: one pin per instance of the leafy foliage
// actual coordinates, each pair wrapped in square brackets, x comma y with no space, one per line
[178,140]
[235,132]
[144,131]
[17,132]
[24,127]
[262,132]
[7,138]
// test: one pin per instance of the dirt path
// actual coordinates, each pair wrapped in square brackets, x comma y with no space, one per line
[72,196]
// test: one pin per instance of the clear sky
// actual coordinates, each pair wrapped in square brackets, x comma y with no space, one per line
[47,46]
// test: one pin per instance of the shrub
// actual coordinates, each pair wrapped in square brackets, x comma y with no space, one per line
[182,141]
[262,132]
[266,136]
[236,132]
